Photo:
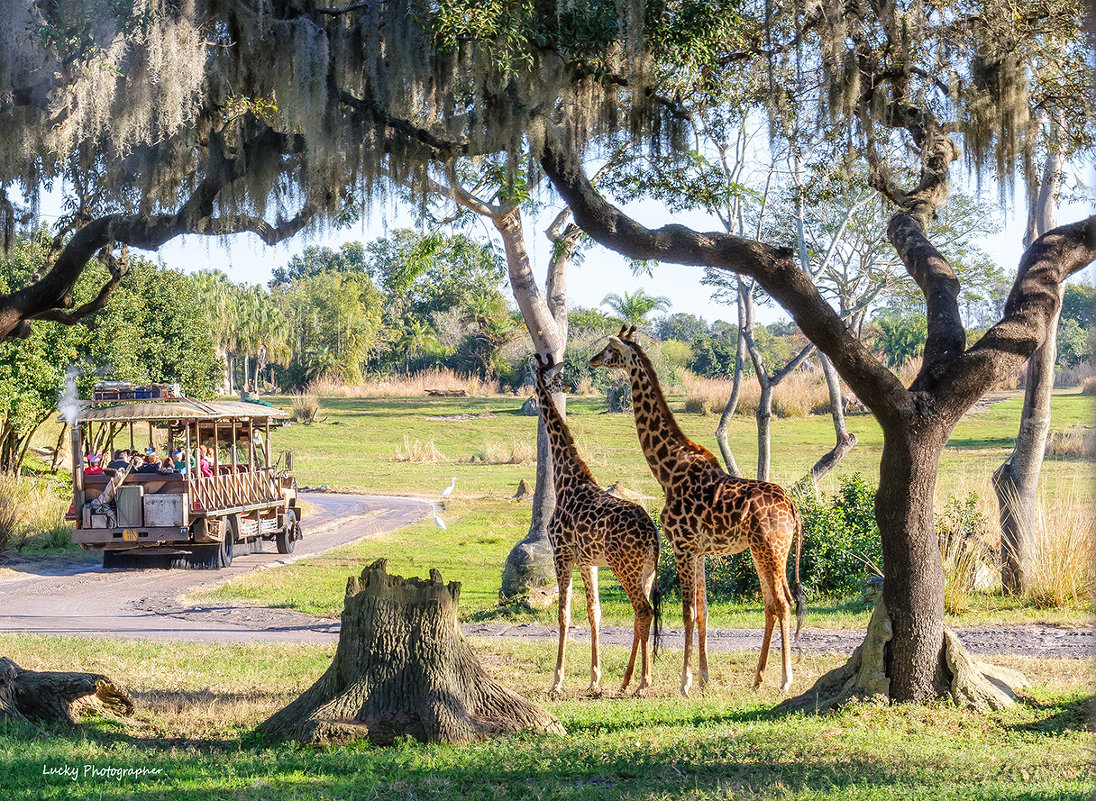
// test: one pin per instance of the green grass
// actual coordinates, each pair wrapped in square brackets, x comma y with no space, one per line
[355,450]
[474,548]
[198,702]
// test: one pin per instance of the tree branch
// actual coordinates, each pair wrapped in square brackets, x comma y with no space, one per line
[774,268]
[1029,309]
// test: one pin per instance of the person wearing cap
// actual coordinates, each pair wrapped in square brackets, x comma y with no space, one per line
[95,465]
[178,462]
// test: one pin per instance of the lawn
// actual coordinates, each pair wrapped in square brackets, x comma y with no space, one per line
[356,449]
[198,702]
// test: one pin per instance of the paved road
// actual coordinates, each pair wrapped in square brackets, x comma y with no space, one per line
[145,604]
[90,601]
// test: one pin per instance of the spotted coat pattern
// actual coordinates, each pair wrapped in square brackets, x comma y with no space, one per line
[591,528]
[710,512]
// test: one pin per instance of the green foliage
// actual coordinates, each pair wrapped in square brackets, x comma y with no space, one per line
[840,538]
[1073,343]
[316,259]
[900,337]
[633,308]
[714,357]
[1079,303]
[335,319]
[682,326]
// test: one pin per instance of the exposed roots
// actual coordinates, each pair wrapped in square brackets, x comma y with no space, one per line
[973,684]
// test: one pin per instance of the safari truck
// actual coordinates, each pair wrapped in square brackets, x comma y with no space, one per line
[215,493]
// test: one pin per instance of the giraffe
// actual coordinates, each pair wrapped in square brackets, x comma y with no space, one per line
[592,529]
[709,512]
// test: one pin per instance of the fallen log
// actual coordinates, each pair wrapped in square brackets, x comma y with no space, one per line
[47,697]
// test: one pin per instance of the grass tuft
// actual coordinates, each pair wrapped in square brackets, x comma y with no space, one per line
[1061,554]
[419,452]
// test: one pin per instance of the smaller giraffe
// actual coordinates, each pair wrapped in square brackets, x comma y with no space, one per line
[708,511]
[592,529]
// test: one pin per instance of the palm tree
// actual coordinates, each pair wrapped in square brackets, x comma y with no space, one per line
[632,309]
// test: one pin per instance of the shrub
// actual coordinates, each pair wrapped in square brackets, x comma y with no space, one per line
[418,452]
[1088,386]
[618,397]
[1076,441]
[963,533]
[840,549]
[517,451]
[1060,565]
[305,407]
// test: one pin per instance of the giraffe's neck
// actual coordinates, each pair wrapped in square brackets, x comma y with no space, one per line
[663,442]
[568,469]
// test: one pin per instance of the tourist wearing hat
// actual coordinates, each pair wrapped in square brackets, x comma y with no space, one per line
[95,465]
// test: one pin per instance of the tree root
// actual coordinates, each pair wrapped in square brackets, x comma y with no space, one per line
[972,684]
[47,697]
[403,668]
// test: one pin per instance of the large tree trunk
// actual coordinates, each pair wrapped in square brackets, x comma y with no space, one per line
[530,562]
[914,586]
[1016,481]
[34,697]
[403,668]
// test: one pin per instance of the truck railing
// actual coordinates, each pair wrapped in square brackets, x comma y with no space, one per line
[234,489]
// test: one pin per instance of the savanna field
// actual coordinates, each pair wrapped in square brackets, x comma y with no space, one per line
[198,703]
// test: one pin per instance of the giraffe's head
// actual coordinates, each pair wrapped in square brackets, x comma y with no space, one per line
[548,372]
[620,351]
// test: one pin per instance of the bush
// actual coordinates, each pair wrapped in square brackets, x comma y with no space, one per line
[963,533]
[840,541]
[305,407]
[618,397]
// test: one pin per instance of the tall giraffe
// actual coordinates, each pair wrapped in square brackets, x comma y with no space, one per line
[709,512]
[592,528]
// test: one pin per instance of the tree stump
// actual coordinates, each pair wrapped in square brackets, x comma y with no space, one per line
[403,668]
[969,682]
[47,697]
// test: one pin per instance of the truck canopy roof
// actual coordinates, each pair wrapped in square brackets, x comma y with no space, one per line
[177,409]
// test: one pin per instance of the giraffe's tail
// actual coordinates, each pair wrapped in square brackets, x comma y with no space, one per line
[797,587]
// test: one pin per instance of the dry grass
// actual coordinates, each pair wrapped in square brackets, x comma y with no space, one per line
[516,451]
[31,512]
[305,407]
[798,395]
[1076,441]
[405,386]
[418,452]
[1060,565]
[1088,386]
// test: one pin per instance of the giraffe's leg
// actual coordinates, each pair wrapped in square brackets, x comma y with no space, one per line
[686,575]
[641,627]
[565,568]
[646,586]
[593,610]
[785,645]
[763,659]
[702,618]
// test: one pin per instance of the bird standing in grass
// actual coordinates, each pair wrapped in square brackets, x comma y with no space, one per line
[445,493]
[438,521]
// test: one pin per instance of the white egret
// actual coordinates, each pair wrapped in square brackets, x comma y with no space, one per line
[437,520]
[445,493]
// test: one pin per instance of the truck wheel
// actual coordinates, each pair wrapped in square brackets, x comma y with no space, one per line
[228,541]
[286,539]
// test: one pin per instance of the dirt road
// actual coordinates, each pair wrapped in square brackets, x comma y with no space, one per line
[89,601]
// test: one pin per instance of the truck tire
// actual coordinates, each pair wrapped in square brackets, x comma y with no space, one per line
[286,539]
[228,541]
